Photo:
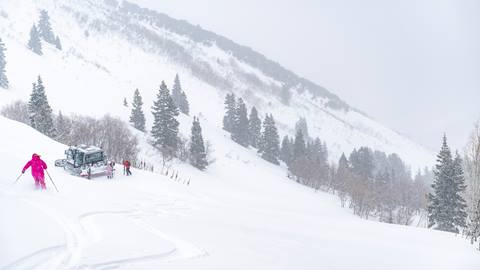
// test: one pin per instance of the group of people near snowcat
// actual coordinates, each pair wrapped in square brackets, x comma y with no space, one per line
[38,166]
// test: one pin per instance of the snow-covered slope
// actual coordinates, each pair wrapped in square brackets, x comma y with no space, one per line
[112,47]
[241,214]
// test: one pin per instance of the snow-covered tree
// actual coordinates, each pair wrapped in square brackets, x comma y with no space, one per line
[40,111]
[343,176]
[458,201]
[299,146]
[446,209]
[63,126]
[286,150]
[165,125]
[254,128]
[58,44]
[125,103]
[3,63]
[198,154]
[230,110]
[240,128]
[34,43]
[179,97]
[269,148]
[137,117]
[302,126]
[45,28]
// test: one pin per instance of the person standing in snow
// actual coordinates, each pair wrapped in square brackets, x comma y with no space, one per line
[109,170]
[37,167]
[126,167]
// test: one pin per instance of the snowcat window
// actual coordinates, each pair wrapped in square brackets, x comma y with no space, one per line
[95,157]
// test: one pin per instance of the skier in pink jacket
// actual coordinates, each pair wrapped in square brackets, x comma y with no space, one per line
[37,166]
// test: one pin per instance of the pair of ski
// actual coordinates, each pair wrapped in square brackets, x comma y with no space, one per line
[18,178]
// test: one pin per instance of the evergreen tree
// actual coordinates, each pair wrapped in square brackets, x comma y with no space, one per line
[302,126]
[35,44]
[299,165]
[63,126]
[299,148]
[179,97]
[230,108]
[286,150]
[45,29]
[240,128]
[137,117]
[3,63]
[459,203]
[40,111]
[58,44]
[198,155]
[165,125]
[270,141]
[184,105]
[342,178]
[254,128]
[446,209]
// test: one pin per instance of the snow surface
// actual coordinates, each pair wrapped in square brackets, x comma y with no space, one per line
[242,213]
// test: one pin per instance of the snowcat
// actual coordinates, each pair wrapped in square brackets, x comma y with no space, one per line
[84,161]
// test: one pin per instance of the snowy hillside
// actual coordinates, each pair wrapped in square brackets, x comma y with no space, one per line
[112,47]
[242,214]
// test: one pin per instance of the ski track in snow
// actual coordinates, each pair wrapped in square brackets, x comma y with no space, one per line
[81,231]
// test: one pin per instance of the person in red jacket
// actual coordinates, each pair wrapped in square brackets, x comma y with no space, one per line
[37,167]
[126,167]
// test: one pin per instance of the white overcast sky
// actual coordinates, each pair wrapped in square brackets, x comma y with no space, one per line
[413,65]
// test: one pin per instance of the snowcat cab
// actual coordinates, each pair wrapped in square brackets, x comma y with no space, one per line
[84,161]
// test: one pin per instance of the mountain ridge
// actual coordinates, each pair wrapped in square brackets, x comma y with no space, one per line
[117,46]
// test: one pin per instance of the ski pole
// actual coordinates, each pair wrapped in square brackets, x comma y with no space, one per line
[18,178]
[52,181]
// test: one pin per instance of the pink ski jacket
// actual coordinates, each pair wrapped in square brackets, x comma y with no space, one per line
[37,165]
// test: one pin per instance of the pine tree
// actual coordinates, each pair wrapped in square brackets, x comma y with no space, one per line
[137,117]
[198,155]
[254,128]
[179,97]
[299,147]
[165,125]
[459,203]
[270,141]
[303,127]
[35,44]
[184,105]
[230,108]
[58,44]
[240,129]
[286,150]
[45,29]
[299,164]
[3,63]
[63,126]
[40,111]
[342,178]
[446,209]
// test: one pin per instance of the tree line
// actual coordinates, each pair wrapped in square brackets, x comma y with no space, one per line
[111,133]
[371,183]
